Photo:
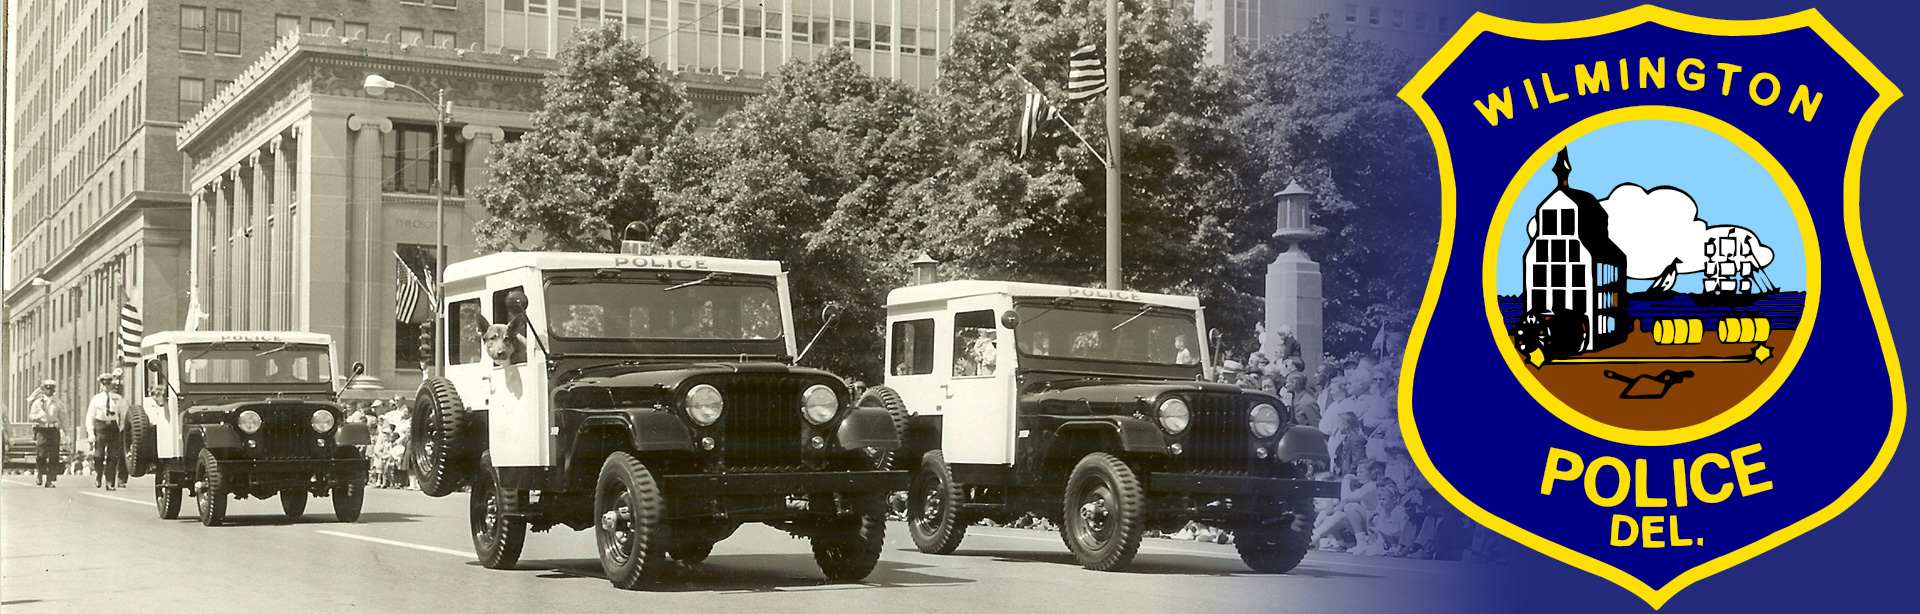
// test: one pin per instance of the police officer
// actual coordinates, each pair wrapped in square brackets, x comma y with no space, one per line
[45,413]
[104,412]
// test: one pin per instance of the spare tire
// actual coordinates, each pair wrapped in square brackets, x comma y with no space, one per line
[139,445]
[442,447]
[882,397]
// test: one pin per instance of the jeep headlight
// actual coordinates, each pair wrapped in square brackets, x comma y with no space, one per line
[819,404]
[1174,416]
[249,422]
[704,404]
[1264,419]
[322,421]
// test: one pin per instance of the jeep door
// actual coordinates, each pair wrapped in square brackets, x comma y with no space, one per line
[976,359]
[517,419]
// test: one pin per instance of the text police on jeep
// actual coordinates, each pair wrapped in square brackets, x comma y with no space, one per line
[244,414]
[650,398]
[1086,407]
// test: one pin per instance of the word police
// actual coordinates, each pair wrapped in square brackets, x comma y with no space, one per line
[1691,74]
[661,262]
[1691,482]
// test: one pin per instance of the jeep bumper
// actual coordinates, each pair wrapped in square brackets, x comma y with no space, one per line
[785,483]
[297,466]
[1242,485]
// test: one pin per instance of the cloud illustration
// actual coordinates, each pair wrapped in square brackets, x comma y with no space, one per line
[1656,227]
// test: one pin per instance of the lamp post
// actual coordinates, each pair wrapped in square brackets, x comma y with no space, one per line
[377,86]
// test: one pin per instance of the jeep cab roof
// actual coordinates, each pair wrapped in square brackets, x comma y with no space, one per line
[506,261]
[962,288]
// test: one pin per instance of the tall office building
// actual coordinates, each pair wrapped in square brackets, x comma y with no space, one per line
[97,213]
[1415,26]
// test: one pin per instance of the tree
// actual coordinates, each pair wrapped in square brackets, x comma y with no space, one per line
[1043,218]
[1322,111]
[580,174]
[808,174]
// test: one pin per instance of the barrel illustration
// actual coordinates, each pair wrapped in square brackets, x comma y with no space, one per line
[1745,330]
[1682,331]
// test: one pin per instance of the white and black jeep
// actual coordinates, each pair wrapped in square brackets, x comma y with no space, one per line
[651,398]
[237,414]
[1087,407]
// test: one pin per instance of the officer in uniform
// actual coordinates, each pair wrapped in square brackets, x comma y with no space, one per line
[45,414]
[103,413]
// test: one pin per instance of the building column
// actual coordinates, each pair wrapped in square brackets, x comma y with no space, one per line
[480,140]
[242,274]
[368,247]
[221,237]
[281,282]
[259,229]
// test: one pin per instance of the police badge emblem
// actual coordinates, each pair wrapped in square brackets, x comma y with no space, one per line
[1664,206]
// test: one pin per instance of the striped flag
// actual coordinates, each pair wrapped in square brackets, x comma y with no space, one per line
[130,331]
[1036,113]
[1086,74]
[408,289]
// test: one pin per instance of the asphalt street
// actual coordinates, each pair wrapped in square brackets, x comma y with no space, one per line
[79,549]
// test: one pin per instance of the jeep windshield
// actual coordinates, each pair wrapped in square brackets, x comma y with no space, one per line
[256,363]
[718,313]
[1107,331]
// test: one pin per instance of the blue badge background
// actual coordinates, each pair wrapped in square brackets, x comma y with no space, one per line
[1863,557]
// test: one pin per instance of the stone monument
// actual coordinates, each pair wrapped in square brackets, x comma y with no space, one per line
[1293,280]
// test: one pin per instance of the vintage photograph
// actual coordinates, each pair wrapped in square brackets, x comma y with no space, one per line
[744,304]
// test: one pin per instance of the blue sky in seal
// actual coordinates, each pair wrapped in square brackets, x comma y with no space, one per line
[1729,186]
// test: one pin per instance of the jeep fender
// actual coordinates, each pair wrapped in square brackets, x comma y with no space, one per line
[218,436]
[352,434]
[648,430]
[1303,443]
[868,428]
[1133,435]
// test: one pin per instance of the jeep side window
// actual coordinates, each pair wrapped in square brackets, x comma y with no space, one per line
[510,305]
[463,345]
[157,380]
[913,347]
[975,339]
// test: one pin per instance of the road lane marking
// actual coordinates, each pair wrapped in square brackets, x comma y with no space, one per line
[120,499]
[1234,557]
[389,542]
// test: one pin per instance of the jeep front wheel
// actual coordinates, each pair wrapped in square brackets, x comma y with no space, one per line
[630,525]
[210,496]
[933,506]
[440,440]
[347,501]
[1275,549]
[1105,513]
[848,547]
[497,539]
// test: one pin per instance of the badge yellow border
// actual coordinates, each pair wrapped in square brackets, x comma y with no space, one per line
[1482,23]
[1786,361]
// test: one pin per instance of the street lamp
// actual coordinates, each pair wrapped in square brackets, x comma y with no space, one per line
[377,86]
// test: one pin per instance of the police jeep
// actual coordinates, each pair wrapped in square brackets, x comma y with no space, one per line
[653,399]
[1086,407]
[242,414]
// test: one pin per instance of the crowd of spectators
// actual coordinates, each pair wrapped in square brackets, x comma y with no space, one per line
[388,429]
[1385,508]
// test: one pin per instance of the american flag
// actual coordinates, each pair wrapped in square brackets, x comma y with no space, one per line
[1036,113]
[1086,74]
[130,331]
[408,289]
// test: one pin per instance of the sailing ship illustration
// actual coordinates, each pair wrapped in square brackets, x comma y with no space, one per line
[1733,276]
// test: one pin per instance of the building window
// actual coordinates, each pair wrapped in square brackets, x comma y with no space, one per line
[220,85]
[355,30]
[320,26]
[1399,19]
[862,35]
[1353,13]
[1442,23]
[406,335]
[882,37]
[1549,222]
[284,25]
[226,25]
[193,94]
[444,40]
[408,165]
[1373,15]
[412,36]
[1420,21]
[193,28]
[451,4]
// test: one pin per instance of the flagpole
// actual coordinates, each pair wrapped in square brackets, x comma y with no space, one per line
[1113,144]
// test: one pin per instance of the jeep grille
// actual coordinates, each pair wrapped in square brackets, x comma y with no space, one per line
[284,433]
[762,429]
[1218,437]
